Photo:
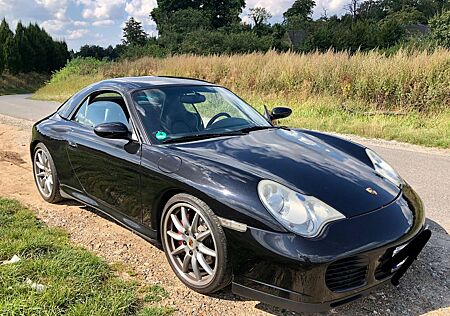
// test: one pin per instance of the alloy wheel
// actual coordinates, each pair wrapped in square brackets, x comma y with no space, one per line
[43,173]
[190,244]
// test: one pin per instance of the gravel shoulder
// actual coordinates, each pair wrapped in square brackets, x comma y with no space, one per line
[425,290]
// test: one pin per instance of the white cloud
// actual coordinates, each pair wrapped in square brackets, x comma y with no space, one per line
[333,7]
[275,7]
[77,34]
[103,23]
[57,8]
[246,19]
[60,14]
[6,5]
[53,25]
[140,9]
[24,10]
[80,23]
[102,9]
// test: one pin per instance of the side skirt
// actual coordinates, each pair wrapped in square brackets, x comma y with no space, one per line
[146,233]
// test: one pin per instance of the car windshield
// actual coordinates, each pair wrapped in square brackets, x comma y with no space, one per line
[190,112]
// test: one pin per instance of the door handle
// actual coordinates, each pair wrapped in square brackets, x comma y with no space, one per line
[72,144]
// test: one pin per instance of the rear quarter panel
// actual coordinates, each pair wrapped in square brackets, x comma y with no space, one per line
[52,132]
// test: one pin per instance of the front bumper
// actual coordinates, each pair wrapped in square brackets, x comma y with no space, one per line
[346,262]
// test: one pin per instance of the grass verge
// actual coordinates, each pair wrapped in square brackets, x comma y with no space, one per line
[21,83]
[329,115]
[75,282]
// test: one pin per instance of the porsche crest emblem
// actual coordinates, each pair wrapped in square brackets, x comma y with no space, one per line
[371,191]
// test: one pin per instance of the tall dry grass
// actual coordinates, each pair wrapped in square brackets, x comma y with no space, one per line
[419,81]
[327,91]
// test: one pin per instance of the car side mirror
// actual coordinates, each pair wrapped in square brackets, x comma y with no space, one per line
[278,113]
[115,130]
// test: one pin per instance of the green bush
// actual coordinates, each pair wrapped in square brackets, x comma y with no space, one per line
[78,66]
[205,42]
[150,49]
[440,28]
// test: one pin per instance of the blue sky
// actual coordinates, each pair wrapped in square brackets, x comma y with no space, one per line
[100,22]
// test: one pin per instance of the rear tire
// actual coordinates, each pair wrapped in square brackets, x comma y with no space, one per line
[195,244]
[45,175]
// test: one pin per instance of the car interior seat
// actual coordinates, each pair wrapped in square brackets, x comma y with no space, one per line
[177,120]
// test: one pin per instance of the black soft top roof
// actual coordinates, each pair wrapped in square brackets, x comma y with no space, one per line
[152,81]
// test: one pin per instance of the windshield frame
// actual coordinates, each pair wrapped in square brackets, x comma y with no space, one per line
[151,139]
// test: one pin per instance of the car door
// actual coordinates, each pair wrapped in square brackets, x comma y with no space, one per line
[107,169]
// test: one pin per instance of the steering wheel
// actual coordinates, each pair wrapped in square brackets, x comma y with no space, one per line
[215,117]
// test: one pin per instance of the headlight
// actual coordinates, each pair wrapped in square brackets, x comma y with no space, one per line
[301,214]
[384,169]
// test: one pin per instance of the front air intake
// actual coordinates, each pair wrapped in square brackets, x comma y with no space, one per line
[347,274]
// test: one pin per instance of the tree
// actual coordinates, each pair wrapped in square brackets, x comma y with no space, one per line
[298,17]
[440,28]
[352,8]
[30,49]
[391,31]
[408,16]
[133,33]
[218,14]
[41,43]
[5,36]
[25,49]
[13,60]
[372,10]
[443,5]
[259,16]
[300,9]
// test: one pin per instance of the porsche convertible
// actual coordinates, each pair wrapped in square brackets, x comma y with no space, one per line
[291,217]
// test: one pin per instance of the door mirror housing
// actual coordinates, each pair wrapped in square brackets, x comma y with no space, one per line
[115,130]
[279,113]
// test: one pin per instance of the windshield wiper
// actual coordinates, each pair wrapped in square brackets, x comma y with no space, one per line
[256,128]
[243,131]
[194,137]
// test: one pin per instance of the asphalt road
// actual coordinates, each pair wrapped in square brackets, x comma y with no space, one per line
[20,106]
[427,170]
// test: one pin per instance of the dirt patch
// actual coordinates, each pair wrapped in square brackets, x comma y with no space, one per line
[425,288]
[12,157]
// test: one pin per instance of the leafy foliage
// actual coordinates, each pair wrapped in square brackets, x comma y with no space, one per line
[100,53]
[134,33]
[78,66]
[302,9]
[218,13]
[440,28]
[30,49]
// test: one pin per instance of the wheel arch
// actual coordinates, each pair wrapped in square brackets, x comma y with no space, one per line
[33,145]
[159,205]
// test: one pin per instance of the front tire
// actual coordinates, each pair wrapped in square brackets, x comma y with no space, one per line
[195,244]
[45,175]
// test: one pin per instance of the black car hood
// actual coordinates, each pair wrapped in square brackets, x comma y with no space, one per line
[303,163]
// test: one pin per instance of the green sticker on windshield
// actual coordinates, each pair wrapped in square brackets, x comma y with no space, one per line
[161,135]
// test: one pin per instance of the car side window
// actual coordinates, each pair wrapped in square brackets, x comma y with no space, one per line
[104,108]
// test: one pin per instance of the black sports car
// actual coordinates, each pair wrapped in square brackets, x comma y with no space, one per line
[295,218]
